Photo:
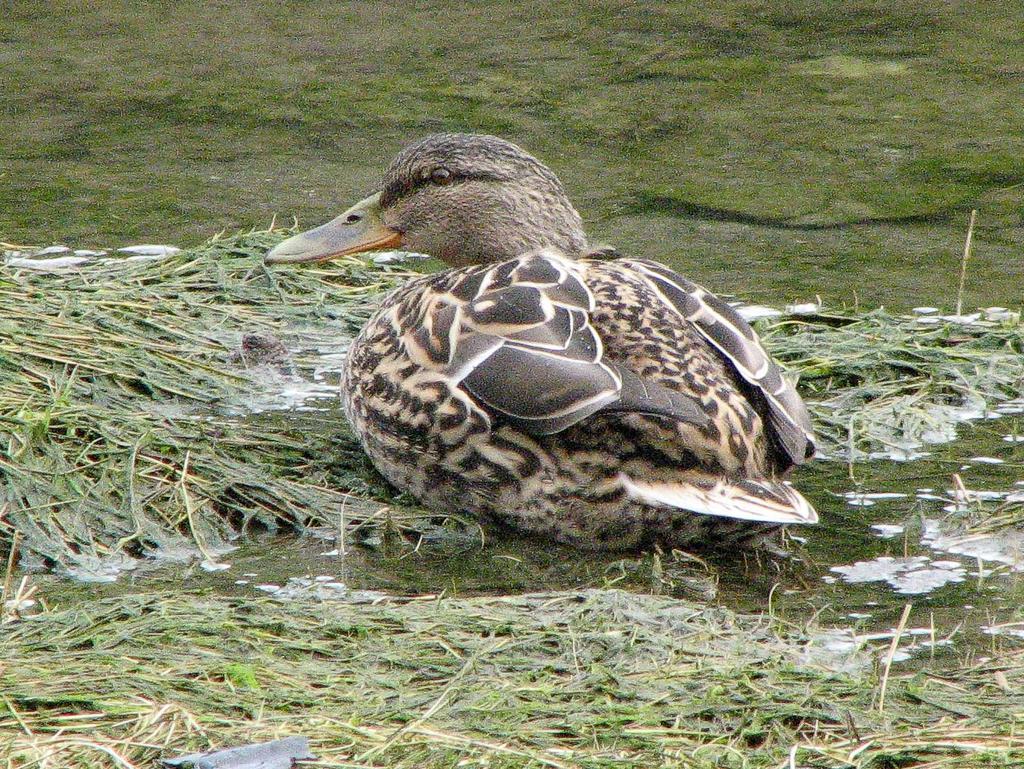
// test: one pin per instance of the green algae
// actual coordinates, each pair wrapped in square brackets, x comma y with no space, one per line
[889,121]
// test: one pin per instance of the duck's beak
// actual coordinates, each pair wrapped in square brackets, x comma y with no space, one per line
[358,229]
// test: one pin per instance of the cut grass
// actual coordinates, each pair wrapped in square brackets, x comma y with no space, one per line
[591,679]
[131,427]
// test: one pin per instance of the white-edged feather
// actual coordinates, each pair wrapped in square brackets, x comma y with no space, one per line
[777,503]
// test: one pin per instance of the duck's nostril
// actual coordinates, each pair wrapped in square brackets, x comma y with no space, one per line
[353,218]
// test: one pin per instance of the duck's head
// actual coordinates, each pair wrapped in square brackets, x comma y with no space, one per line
[463,198]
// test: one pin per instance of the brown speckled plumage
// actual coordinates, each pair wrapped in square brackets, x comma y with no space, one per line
[597,402]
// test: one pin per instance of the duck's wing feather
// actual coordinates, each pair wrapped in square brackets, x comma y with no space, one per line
[517,337]
[732,336]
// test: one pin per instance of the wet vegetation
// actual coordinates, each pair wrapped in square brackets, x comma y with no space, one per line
[585,679]
[131,413]
[138,426]
[148,414]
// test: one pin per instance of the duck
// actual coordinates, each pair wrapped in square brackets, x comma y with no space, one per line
[549,385]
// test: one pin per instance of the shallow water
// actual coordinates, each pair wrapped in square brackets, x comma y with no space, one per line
[889,536]
[773,150]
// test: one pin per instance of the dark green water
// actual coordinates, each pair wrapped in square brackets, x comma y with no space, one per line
[773,150]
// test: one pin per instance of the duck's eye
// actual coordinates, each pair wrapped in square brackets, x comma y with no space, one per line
[440,176]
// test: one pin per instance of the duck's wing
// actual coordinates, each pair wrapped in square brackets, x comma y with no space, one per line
[732,336]
[516,337]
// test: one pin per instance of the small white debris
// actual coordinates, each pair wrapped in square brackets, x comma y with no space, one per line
[859,501]
[756,311]
[46,265]
[1014,438]
[1015,629]
[928,320]
[962,319]
[987,460]
[1001,313]
[925,310]
[88,252]
[803,308]
[19,606]
[915,575]
[51,250]
[148,249]
[214,566]
[974,495]
[887,530]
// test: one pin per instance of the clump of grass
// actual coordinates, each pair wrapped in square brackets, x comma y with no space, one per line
[129,429]
[591,679]
[122,414]
[876,382]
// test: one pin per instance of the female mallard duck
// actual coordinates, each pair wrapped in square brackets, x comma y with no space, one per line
[607,404]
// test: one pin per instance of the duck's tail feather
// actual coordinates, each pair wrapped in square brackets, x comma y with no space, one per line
[742,498]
